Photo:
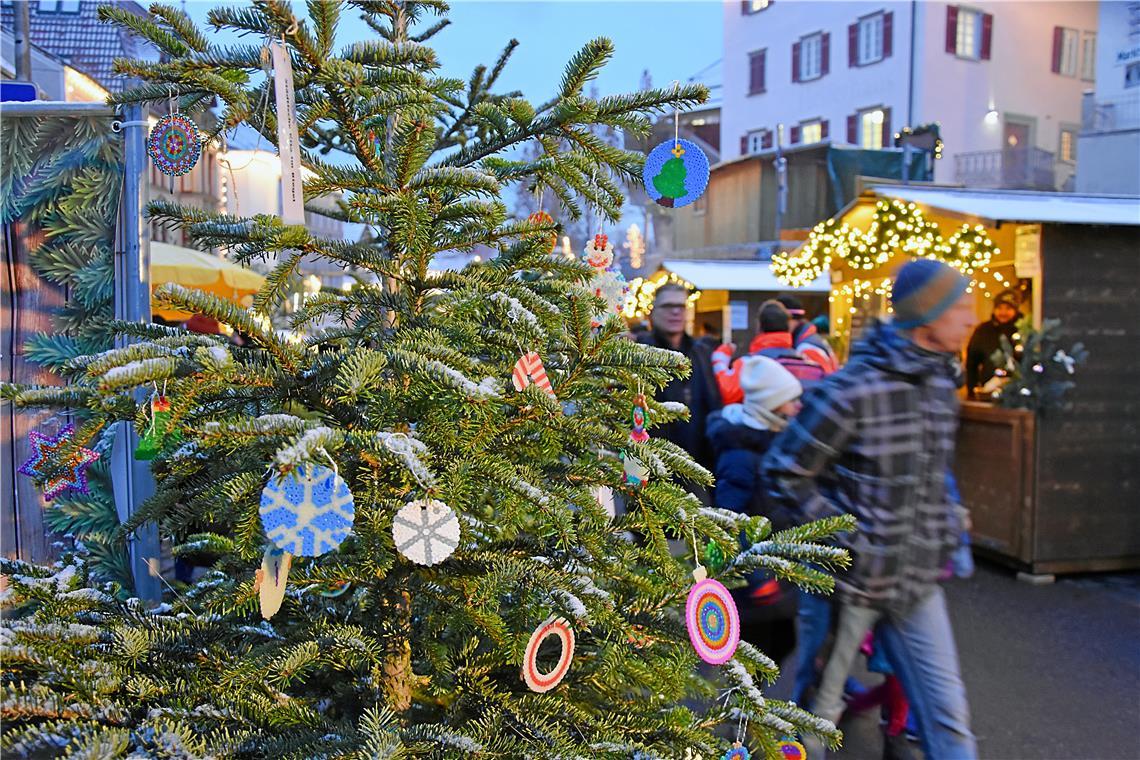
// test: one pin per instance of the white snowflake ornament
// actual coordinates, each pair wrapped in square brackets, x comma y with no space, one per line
[426,531]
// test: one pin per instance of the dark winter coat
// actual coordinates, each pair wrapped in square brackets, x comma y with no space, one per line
[738,448]
[875,440]
[698,392]
[985,341]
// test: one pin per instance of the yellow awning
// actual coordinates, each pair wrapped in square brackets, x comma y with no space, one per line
[202,271]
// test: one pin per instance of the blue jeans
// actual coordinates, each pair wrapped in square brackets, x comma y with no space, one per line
[812,622]
[922,652]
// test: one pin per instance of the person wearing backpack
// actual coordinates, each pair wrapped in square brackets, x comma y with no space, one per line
[774,341]
[740,434]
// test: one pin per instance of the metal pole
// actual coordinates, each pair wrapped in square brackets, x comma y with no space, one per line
[132,480]
[22,33]
[781,167]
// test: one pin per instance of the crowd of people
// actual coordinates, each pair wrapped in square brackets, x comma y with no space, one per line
[793,435]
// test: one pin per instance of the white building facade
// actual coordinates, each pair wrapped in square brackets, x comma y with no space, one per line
[1003,80]
[1109,147]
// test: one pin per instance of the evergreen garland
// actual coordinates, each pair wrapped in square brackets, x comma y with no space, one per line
[409,661]
[60,179]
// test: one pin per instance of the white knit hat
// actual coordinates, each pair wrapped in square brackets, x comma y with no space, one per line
[767,385]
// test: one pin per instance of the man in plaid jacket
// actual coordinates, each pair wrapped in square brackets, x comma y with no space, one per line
[875,440]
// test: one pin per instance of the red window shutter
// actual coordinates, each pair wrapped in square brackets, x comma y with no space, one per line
[794,135]
[823,129]
[887,135]
[756,72]
[853,129]
[888,33]
[745,7]
[952,29]
[795,61]
[852,46]
[825,54]
[1057,33]
[766,139]
[987,35]
[744,145]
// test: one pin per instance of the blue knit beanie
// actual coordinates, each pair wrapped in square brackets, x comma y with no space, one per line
[923,290]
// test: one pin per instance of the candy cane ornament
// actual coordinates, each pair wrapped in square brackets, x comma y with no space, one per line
[529,369]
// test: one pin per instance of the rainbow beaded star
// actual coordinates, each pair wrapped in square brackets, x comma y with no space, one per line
[58,474]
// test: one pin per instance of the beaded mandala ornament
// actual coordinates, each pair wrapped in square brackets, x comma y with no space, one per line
[54,469]
[174,144]
[737,752]
[711,617]
[531,675]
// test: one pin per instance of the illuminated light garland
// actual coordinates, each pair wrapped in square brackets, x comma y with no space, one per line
[642,291]
[896,227]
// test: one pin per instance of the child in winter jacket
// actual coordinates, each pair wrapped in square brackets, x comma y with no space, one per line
[740,434]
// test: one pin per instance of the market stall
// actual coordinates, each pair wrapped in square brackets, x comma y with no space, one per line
[724,295]
[1050,490]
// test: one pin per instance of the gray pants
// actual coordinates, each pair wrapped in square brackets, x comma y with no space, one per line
[921,649]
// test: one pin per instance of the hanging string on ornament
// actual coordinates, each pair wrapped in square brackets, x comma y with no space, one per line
[426,531]
[711,617]
[307,512]
[531,675]
[55,467]
[174,144]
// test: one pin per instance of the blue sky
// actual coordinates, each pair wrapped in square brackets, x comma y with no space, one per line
[673,40]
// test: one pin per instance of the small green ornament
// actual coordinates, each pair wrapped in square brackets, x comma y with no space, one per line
[160,433]
[714,556]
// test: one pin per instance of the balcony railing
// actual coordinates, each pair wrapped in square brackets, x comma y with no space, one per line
[1009,169]
[1109,115]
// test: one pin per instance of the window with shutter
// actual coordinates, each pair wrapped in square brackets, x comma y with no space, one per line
[852,46]
[968,43]
[766,140]
[793,135]
[808,64]
[1066,50]
[870,42]
[853,129]
[987,36]
[871,128]
[951,29]
[888,33]
[757,140]
[744,145]
[823,129]
[1088,56]
[756,64]
[825,54]
[811,132]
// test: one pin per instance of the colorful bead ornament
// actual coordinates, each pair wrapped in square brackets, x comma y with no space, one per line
[426,531]
[543,218]
[160,431]
[56,472]
[638,416]
[737,752]
[676,173]
[308,512]
[712,620]
[636,473]
[174,144]
[535,678]
[790,749]
[600,252]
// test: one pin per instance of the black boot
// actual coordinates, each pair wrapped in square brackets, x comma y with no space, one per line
[896,748]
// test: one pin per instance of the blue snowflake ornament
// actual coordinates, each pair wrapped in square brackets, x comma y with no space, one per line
[307,512]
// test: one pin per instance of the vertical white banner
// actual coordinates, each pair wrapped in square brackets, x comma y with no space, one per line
[288,139]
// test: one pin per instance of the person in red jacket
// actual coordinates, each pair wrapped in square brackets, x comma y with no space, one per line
[806,338]
[774,341]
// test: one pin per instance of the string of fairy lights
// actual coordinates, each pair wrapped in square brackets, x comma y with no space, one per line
[897,227]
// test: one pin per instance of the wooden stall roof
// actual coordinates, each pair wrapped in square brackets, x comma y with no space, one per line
[994,206]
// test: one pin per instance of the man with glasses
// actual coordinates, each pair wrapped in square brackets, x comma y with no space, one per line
[698,391]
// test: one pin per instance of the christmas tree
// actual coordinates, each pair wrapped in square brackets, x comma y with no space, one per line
[670,181]
[399,638]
